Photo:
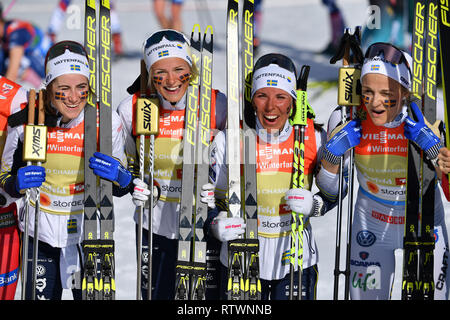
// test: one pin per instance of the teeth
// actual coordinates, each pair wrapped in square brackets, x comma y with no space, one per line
[72,106]
[271,117]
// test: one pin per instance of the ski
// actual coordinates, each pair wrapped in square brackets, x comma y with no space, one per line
[203,141]
[426,257]
[444,39]
[252,284]
[235,284]
[299,123]
[411,241]
[183,266]
[98,275]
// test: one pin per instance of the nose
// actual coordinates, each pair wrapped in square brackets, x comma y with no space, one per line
[73,95]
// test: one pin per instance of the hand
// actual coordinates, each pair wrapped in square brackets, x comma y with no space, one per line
[207,195]
[421,134]
[29,177]
[300,201]
[110,169]
[444,160]
[344,139]
[141,192]
[226,229]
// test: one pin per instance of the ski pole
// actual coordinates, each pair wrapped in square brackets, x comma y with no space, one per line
[348,95]
[147,124]
[299,123]
[43,149]
[27,146]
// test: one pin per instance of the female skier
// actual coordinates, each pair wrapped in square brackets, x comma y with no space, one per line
[62,174]
[273,99]
[380,136]
[170,68]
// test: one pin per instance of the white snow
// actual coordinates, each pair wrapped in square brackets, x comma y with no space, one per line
[296,28]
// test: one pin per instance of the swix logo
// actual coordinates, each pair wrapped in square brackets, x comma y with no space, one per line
[147,118]
[348,84]
[400,181]
[37,141]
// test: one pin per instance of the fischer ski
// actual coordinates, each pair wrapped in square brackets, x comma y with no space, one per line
[191,266]
[426,252]
[412,241]
[444,41]
[252,283]
[98,276]
[235,285]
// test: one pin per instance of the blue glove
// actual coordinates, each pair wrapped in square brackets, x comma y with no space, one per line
[110,169]
[346,138]
[421,134]
[29,177]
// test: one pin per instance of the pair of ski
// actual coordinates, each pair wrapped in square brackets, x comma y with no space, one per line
[419,238]
[243,253]
[34,150]
[191,266]
[98,282]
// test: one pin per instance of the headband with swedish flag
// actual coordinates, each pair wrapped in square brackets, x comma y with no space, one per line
[166,48]
[67,63]
[273,76]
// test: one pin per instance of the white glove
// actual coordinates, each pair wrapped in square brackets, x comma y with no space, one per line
[300,201]
[207,195]
[226,229]
[141,193]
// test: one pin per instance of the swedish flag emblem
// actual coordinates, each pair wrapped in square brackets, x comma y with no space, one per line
[375,67]
[60,95]
[179,46]
[75,67]
[272,83]
[72,226]
[163,53]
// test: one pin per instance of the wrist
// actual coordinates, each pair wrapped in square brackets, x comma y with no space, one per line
[330,157]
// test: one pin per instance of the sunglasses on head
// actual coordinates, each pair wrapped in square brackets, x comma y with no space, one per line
[170,35]
[278,59]
[60,48]
[390,52]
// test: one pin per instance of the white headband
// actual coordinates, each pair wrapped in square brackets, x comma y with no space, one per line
[167,49]
[67,63]
[273,76]
[398,72]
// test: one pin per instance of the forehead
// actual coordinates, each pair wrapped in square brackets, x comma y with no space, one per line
[72,79]
[378,81]
[271,91]
[169,63]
